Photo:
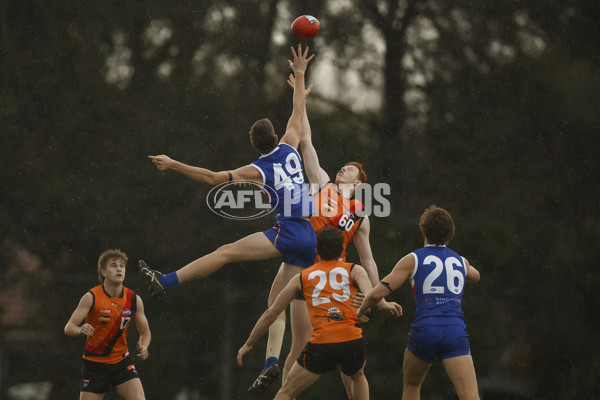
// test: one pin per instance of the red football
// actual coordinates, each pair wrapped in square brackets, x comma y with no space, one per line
[305,27]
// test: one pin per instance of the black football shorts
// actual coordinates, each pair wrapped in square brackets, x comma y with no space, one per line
[319,358]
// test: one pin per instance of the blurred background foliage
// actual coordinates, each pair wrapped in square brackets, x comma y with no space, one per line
[489,109]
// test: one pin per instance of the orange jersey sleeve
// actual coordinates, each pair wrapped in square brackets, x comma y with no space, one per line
[333,209]
[328,288]
[110,318]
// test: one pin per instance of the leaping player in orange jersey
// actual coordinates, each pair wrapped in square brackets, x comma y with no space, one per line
[108,309]
[328,288]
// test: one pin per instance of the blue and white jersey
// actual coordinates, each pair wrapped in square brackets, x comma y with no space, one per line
[438,282]
[283,180]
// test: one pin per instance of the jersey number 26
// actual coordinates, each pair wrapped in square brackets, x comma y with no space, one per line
[455,279]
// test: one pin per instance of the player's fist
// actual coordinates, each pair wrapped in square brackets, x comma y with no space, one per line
[86,329]
[142,351]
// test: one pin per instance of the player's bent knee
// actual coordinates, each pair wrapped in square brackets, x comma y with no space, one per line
[228,251]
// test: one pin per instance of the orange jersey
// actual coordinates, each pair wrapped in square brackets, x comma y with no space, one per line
[333,209]
[110,318]
[328,287]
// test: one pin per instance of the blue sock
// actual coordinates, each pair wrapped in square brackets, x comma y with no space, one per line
[169,280]
[270,361]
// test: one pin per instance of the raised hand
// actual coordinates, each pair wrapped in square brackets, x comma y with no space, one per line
[300,59]
[292,81]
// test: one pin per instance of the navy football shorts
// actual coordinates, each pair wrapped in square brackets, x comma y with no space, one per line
[442,341]
[295,238]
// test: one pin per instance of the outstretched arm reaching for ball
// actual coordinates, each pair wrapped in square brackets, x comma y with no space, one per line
[316,175]
[293,130]
[245,173]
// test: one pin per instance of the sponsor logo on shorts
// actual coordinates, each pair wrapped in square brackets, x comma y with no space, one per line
[131,367]
[86,383]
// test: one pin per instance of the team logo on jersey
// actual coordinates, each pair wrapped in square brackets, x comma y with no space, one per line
[327,210]
[334,314]
[241,200]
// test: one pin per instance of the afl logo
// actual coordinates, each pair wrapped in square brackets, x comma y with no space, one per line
[241,200]
[126,312]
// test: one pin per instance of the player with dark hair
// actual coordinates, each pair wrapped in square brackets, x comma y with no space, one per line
[438,276]
[107,310]
[336,206]
[279,170]
[328,288]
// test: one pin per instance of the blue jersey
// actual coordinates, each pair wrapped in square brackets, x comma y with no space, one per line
[438,282]
[283,181]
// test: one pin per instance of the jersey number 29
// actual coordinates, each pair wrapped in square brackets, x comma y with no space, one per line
[338,280]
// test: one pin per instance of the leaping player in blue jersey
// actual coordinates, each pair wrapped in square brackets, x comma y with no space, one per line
[279,170]
[438,276]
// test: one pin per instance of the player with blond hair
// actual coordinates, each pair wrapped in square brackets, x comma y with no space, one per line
[107,309]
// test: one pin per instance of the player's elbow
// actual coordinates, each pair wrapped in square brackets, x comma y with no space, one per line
[271,314]
[212,179]
[474,276]
[306,141]
[69,330]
